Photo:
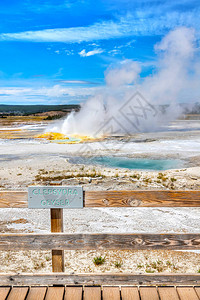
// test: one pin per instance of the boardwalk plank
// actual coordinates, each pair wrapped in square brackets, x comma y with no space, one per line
[73,293]
[111,293]
[36,293]
[187,293]
[197,289]
[4,292]
[92,293]
[130,293]
[149,293]
[166,293]
[18,293]
[55,293]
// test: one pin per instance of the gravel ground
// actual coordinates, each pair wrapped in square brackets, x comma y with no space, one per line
[25,162]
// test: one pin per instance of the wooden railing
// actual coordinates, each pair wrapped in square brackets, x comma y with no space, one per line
[57,241]
[19,199]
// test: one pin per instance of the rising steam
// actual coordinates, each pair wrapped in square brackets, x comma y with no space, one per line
[175,79]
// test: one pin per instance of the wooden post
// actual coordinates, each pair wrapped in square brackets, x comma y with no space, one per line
[57,226]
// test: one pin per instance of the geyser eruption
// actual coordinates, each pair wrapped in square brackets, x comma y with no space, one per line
[118,109]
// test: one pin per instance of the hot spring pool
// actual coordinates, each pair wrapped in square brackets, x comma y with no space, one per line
[130,163]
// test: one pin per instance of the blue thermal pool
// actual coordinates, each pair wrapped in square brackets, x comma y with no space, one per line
[130,163]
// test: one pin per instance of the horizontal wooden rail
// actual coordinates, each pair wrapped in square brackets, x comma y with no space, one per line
[19,199]
[61,241]
[65,241]
[98,279]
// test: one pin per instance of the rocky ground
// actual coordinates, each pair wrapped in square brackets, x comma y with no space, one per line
[25,162]
[115,261]
[60,171]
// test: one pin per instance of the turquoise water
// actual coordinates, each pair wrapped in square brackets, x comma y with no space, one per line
[132,163]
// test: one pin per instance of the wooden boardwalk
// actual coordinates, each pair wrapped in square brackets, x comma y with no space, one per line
[100,293]
[107,286]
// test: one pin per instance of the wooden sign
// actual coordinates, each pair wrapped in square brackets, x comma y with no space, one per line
[55,197]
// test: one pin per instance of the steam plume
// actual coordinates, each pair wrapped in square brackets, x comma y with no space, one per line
[176,75]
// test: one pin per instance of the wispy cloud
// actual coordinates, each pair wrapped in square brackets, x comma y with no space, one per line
[76,81]
[14,91]
[131,25]
[55,91]
[53,94]
[83,53]
[62,51]
[98,31]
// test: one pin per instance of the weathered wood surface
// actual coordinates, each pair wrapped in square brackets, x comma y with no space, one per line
[111,293]
[74,293]
[18,293]
[100,293]
[19,199]
[92,293]
[187,293]
[57,226]
[58,241]
[197,290]
[168,293]
[36,293]
[15,199]
[41,279]
[130,293]
[4,292]
[142,198]
[149,293]
[55,293]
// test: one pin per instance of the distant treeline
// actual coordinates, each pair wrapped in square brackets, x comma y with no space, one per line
[26,110]
[186,108]
[191,108]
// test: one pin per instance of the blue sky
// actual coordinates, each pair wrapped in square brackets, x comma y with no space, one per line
[56,52]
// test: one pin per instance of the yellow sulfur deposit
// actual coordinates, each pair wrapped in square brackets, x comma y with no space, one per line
[63,139]
[12,134]
[52,136]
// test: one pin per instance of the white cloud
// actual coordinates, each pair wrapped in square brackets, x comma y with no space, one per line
[83,53]
[59,91]
[76,81]
[98,31]
[14,91]
[52,94]
[114,52]
[69,52]
[142,23]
